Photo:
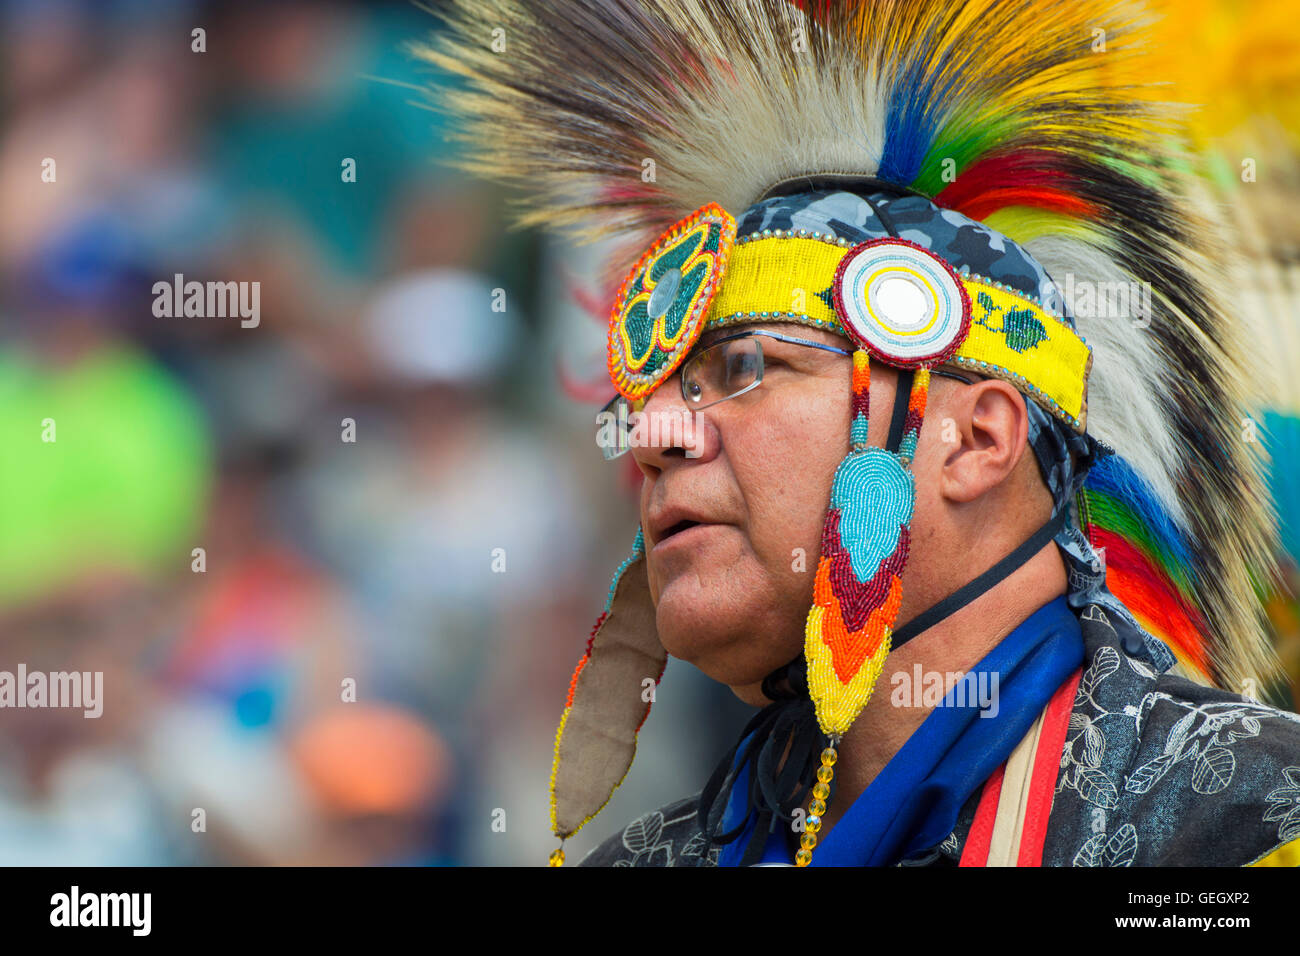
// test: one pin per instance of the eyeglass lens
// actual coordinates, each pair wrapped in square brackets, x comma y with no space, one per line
[722,370]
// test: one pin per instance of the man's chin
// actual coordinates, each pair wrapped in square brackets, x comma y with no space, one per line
[723,648]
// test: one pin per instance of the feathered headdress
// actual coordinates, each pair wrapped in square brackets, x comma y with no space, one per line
[623,116]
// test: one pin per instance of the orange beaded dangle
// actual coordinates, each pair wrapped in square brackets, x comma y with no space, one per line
[557,856]
[817,808]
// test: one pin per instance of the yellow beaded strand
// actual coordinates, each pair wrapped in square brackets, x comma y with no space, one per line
[817,808]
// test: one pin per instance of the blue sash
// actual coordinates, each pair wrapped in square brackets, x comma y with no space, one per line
[913,803]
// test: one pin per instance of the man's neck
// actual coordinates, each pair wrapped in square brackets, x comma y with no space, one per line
[954,644]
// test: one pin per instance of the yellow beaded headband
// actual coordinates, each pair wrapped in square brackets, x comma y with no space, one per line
[789,276]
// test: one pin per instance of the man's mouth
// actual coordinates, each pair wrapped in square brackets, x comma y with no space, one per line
[675,529]
[670,522]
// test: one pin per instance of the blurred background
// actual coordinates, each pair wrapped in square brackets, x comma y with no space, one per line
[324,560]
[203,532]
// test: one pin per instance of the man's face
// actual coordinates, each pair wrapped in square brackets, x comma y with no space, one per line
[733,535]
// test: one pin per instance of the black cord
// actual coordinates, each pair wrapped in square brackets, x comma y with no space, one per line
[973,589]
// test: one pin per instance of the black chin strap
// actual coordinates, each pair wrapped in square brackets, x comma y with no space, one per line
[902,396]
[790,721]
[968,592]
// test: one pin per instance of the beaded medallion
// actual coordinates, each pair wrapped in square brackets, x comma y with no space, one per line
[901,303]
[661,306]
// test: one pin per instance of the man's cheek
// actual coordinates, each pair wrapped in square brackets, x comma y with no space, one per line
[789,560]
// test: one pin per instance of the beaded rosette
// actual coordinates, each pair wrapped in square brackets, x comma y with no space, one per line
[660,309]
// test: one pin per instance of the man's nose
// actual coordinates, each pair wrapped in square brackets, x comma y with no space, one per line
[669,431]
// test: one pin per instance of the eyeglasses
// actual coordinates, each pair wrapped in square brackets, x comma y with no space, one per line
[723,370]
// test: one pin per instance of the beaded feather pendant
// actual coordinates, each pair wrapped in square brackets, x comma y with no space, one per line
[906,307]
[859,588]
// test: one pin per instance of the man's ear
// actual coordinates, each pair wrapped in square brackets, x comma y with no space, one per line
[992,428]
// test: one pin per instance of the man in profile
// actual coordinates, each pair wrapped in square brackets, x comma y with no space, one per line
[917,464]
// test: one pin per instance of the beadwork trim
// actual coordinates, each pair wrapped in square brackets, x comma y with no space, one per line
[827,237]
[1044,400]
[754,318]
